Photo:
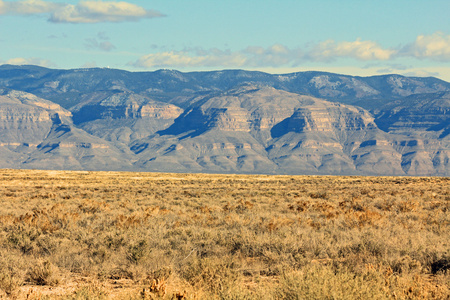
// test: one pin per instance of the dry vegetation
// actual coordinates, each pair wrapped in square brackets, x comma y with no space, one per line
[101,235]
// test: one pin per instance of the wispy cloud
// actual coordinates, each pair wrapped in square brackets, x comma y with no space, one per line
[82,12]
[387,66]
[421,73]
[435,46]
[93,43]
[192,58]
[273,56]
[100,42]
[28,7]
[89,64]
[360,50]
[30,61]
[99,11]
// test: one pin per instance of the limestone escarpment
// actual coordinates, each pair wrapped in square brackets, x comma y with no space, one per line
[36,133]
[122,117]
[121,105]
[26,119]
[229,121]
[224,133]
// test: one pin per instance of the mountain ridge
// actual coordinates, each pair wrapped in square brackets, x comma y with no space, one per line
[229,121]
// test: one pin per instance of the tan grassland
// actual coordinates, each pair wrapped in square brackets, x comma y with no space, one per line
[103,235]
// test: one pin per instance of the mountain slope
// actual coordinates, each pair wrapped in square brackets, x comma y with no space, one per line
[229,121]
[421,112]
[36,133]
[270,131]
[65,86]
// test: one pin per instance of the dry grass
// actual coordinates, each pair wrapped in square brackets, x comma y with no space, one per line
[101,235]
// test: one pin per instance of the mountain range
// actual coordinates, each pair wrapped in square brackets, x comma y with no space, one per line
[229,121]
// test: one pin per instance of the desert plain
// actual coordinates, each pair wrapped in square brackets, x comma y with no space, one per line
[124,235]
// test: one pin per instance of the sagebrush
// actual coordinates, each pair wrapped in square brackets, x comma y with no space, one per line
[100,235]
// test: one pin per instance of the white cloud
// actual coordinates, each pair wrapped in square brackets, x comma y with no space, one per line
[99,11]
[30,61]
[435,46]
[200,58]
[82,12]
[27,7]
[275,55]
[360,50]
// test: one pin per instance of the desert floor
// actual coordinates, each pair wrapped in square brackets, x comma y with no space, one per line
[102,235]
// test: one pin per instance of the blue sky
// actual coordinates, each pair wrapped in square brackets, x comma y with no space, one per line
[409,37]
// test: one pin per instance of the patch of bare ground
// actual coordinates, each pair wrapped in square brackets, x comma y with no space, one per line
[118,235]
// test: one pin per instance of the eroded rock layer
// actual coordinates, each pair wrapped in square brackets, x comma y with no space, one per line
[228,121]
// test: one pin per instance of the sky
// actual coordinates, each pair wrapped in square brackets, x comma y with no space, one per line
[354,37]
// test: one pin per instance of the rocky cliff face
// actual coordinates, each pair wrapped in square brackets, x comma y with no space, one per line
[229,121]
[122,117]
[26,118]
[426,114]
[121,105]
[266,130]
[37,133]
